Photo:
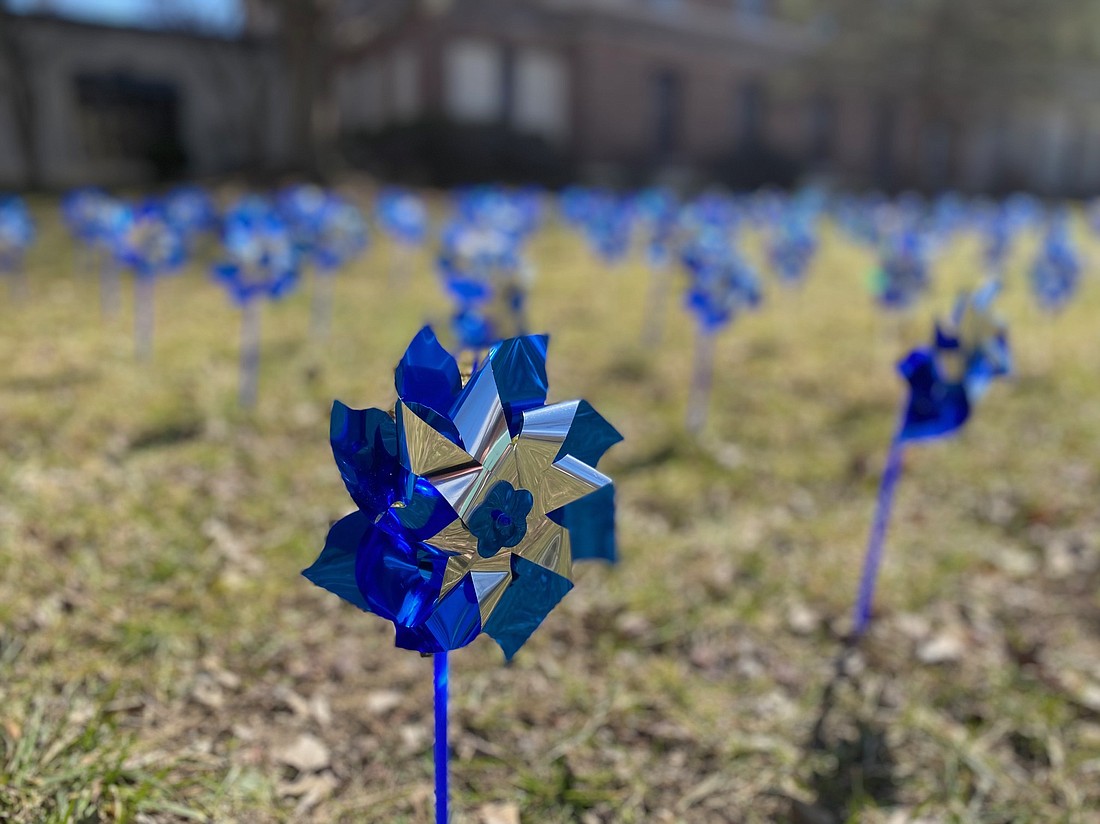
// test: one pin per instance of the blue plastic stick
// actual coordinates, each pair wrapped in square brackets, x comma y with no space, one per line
[702,377]
[861,618]
[144,303]
[321,320]
[441,750]
[110,286]
[250,353]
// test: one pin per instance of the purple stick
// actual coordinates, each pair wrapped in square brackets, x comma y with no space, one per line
[861,617]
[442,756]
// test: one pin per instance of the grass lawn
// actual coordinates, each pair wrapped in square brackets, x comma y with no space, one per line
[161,658]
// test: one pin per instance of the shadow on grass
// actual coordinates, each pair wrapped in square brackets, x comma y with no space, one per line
[168,433]
[862,769]
[65,379]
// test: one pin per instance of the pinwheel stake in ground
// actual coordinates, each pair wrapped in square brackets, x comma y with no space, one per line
[263,264]
[467,500]
[16,236]
[659,214]
[404,218]
[340,236]
[721,286]
[945,381]
[150,247]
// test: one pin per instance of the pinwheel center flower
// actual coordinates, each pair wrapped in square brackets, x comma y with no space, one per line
[501,519]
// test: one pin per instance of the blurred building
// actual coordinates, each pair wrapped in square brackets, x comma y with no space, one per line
[618,91]
[694,88]
[84,103]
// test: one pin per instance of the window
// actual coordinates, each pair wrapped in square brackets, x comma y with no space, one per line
[123,117]
[751,105]
[541,96]
[405,85]
[474,81]
[666,112]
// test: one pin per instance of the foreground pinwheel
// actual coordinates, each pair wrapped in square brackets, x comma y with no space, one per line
[471,504]
[945,380]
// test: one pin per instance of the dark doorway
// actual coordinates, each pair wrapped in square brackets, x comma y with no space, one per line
[128,118]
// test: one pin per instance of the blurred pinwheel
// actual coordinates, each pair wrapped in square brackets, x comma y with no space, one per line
[1056,272]
[902,275]
[262,263]
[190,210]
[792,249]
[341,234]
[945,380]
[403,216]
[16,232]
[609,227]
[485,275]
[261,258]
[83,210]
[148,245]
[721,285]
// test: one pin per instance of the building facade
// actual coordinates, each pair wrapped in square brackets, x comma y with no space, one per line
[692,85]
[87,104]
[621,90]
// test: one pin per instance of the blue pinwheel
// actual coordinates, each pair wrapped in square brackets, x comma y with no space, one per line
[721,286]
[262,263]
[82,211]
[466,497]
[1056,272]
[465,522]
[792,249]
[190,210]
[150,247]
[341,234]
[945,380]
[609,228]
[484,273]
[403,218]
[16,236]
[902,275]
[100,221]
